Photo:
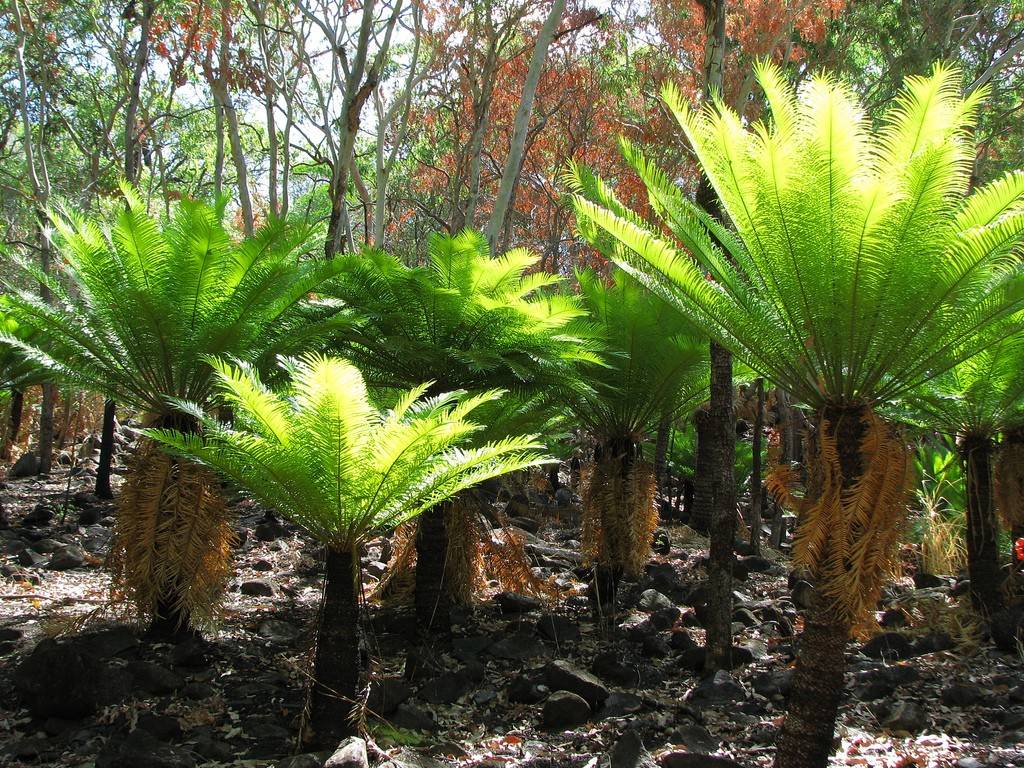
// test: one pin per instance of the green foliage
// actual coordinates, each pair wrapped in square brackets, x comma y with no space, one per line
[325,457]
[654,363]
[17,371]
[465,321]
[981,396]
[149,301]
[859,267]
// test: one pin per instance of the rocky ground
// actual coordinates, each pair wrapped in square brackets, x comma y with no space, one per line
[522,683]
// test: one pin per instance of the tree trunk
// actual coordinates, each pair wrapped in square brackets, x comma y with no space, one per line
[661,454]
[433,606]
[722,531]
[521,124]
[103,489]
[808,731]
[982,528]
[46,428]
[756,490]
[14,425]
[807,736]
[334,690]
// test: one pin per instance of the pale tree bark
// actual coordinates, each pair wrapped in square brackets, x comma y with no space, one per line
[521,125]
[39,181]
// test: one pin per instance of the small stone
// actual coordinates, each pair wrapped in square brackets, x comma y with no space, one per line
[191,652]
[609,666]
[696,738]
[258,588]
[620,704]
[446,689]
[692,760]
[386,693]
[263,565]
[905,716]
[525,690]
[277,631]
[629,752]
[517,647]
[653,600]
[1008,629]
[412,718]
[30,558]
[40,515]
[720,689]
[163,727]
[66,558]
[563,676]
[929,581]
[512,603]
[558,628]
[152,678]
[565,709]
[351,753]
[889,646]
[961,694]
[269,530]
[969,762]
[196,691]
[933,642]
[26,466]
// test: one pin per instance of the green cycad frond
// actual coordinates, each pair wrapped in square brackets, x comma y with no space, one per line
[153,300]
[17,372]
[860,267]
[980,397]
[325,457]
[466,321]
[654,363]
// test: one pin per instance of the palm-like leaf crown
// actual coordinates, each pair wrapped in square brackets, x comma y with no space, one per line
[325,457]
[150,301]
[859,267]
[654,361]
[17,370]
[466,320]
[980,397]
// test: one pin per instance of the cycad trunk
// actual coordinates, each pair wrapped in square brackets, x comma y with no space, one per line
[335,690]
[806,740]
[14,424]
[433,605]
[46,428]
[619,518]
[103,489]
[171,555]
[1009,486]
[982,528]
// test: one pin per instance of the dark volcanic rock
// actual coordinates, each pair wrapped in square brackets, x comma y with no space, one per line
[512,603]
[386,694]
[1008,629]
[692,760]
[447,688]
[524,689]
[140,749]
[66,558]
[563,676]
[565,709]
[152,678]
[63,680]
[890,646]
[629,752]
[558,628]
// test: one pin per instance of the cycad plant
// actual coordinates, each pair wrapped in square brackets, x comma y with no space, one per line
[324,456]
[654,364]
[857,268]
[149,300]
[18,372]
[466,321]
[975,402]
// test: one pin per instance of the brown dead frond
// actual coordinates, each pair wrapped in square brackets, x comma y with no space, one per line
[173,537]
[847,531]
[508,563]
[1009,481]
[619,512]
[398,581]
[464,560]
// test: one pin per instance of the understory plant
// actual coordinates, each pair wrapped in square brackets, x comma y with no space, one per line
[469,321]
[857,267]
[148,301]
[974,403]
[654,364]
[323,455]
[18,372]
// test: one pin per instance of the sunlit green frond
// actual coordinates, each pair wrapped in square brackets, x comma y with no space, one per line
[152,299]
[859,266]
[335,464]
